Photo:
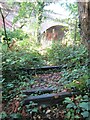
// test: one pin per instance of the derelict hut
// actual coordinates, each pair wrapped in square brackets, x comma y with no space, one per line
[53,31]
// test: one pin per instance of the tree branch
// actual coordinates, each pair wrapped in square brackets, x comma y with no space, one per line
[5,32]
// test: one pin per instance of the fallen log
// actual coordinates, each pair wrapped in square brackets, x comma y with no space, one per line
[38,90]
[49,99]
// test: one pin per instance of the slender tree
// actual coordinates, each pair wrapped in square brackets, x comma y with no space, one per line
[5,32]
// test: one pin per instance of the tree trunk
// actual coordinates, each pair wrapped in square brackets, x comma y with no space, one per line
[84,18]
[84,15]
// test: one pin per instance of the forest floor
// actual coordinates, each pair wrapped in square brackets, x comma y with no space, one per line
[45,80]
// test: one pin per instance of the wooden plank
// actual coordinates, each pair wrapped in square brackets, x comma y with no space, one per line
[43,68]
[49,98]
[38,90]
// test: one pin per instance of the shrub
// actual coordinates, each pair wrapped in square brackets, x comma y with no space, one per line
[59,54]
[17,34]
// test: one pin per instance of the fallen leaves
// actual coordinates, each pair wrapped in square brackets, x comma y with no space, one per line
[42,81]
[47,80]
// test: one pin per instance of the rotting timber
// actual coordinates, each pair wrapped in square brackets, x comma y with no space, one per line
[42,69]
[47,96]
[49,99]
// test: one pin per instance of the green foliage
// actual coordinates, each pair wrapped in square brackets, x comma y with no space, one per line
[74,76]
[22,56]
[25,54]
[59,54]
[16,116]
[12,116]
[23,12]
[56,53]
[79,84]
[17,34]
[72,21]
[3,115]
[16,60]
[31,10]
[77,107]
[32,108]
[71,7]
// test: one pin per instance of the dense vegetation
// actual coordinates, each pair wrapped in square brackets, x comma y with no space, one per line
[74,76]
[24,53]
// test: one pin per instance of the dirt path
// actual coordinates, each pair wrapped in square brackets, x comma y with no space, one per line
[40,80]
[47,80]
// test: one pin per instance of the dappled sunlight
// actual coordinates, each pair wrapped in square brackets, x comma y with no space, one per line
[44,70]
